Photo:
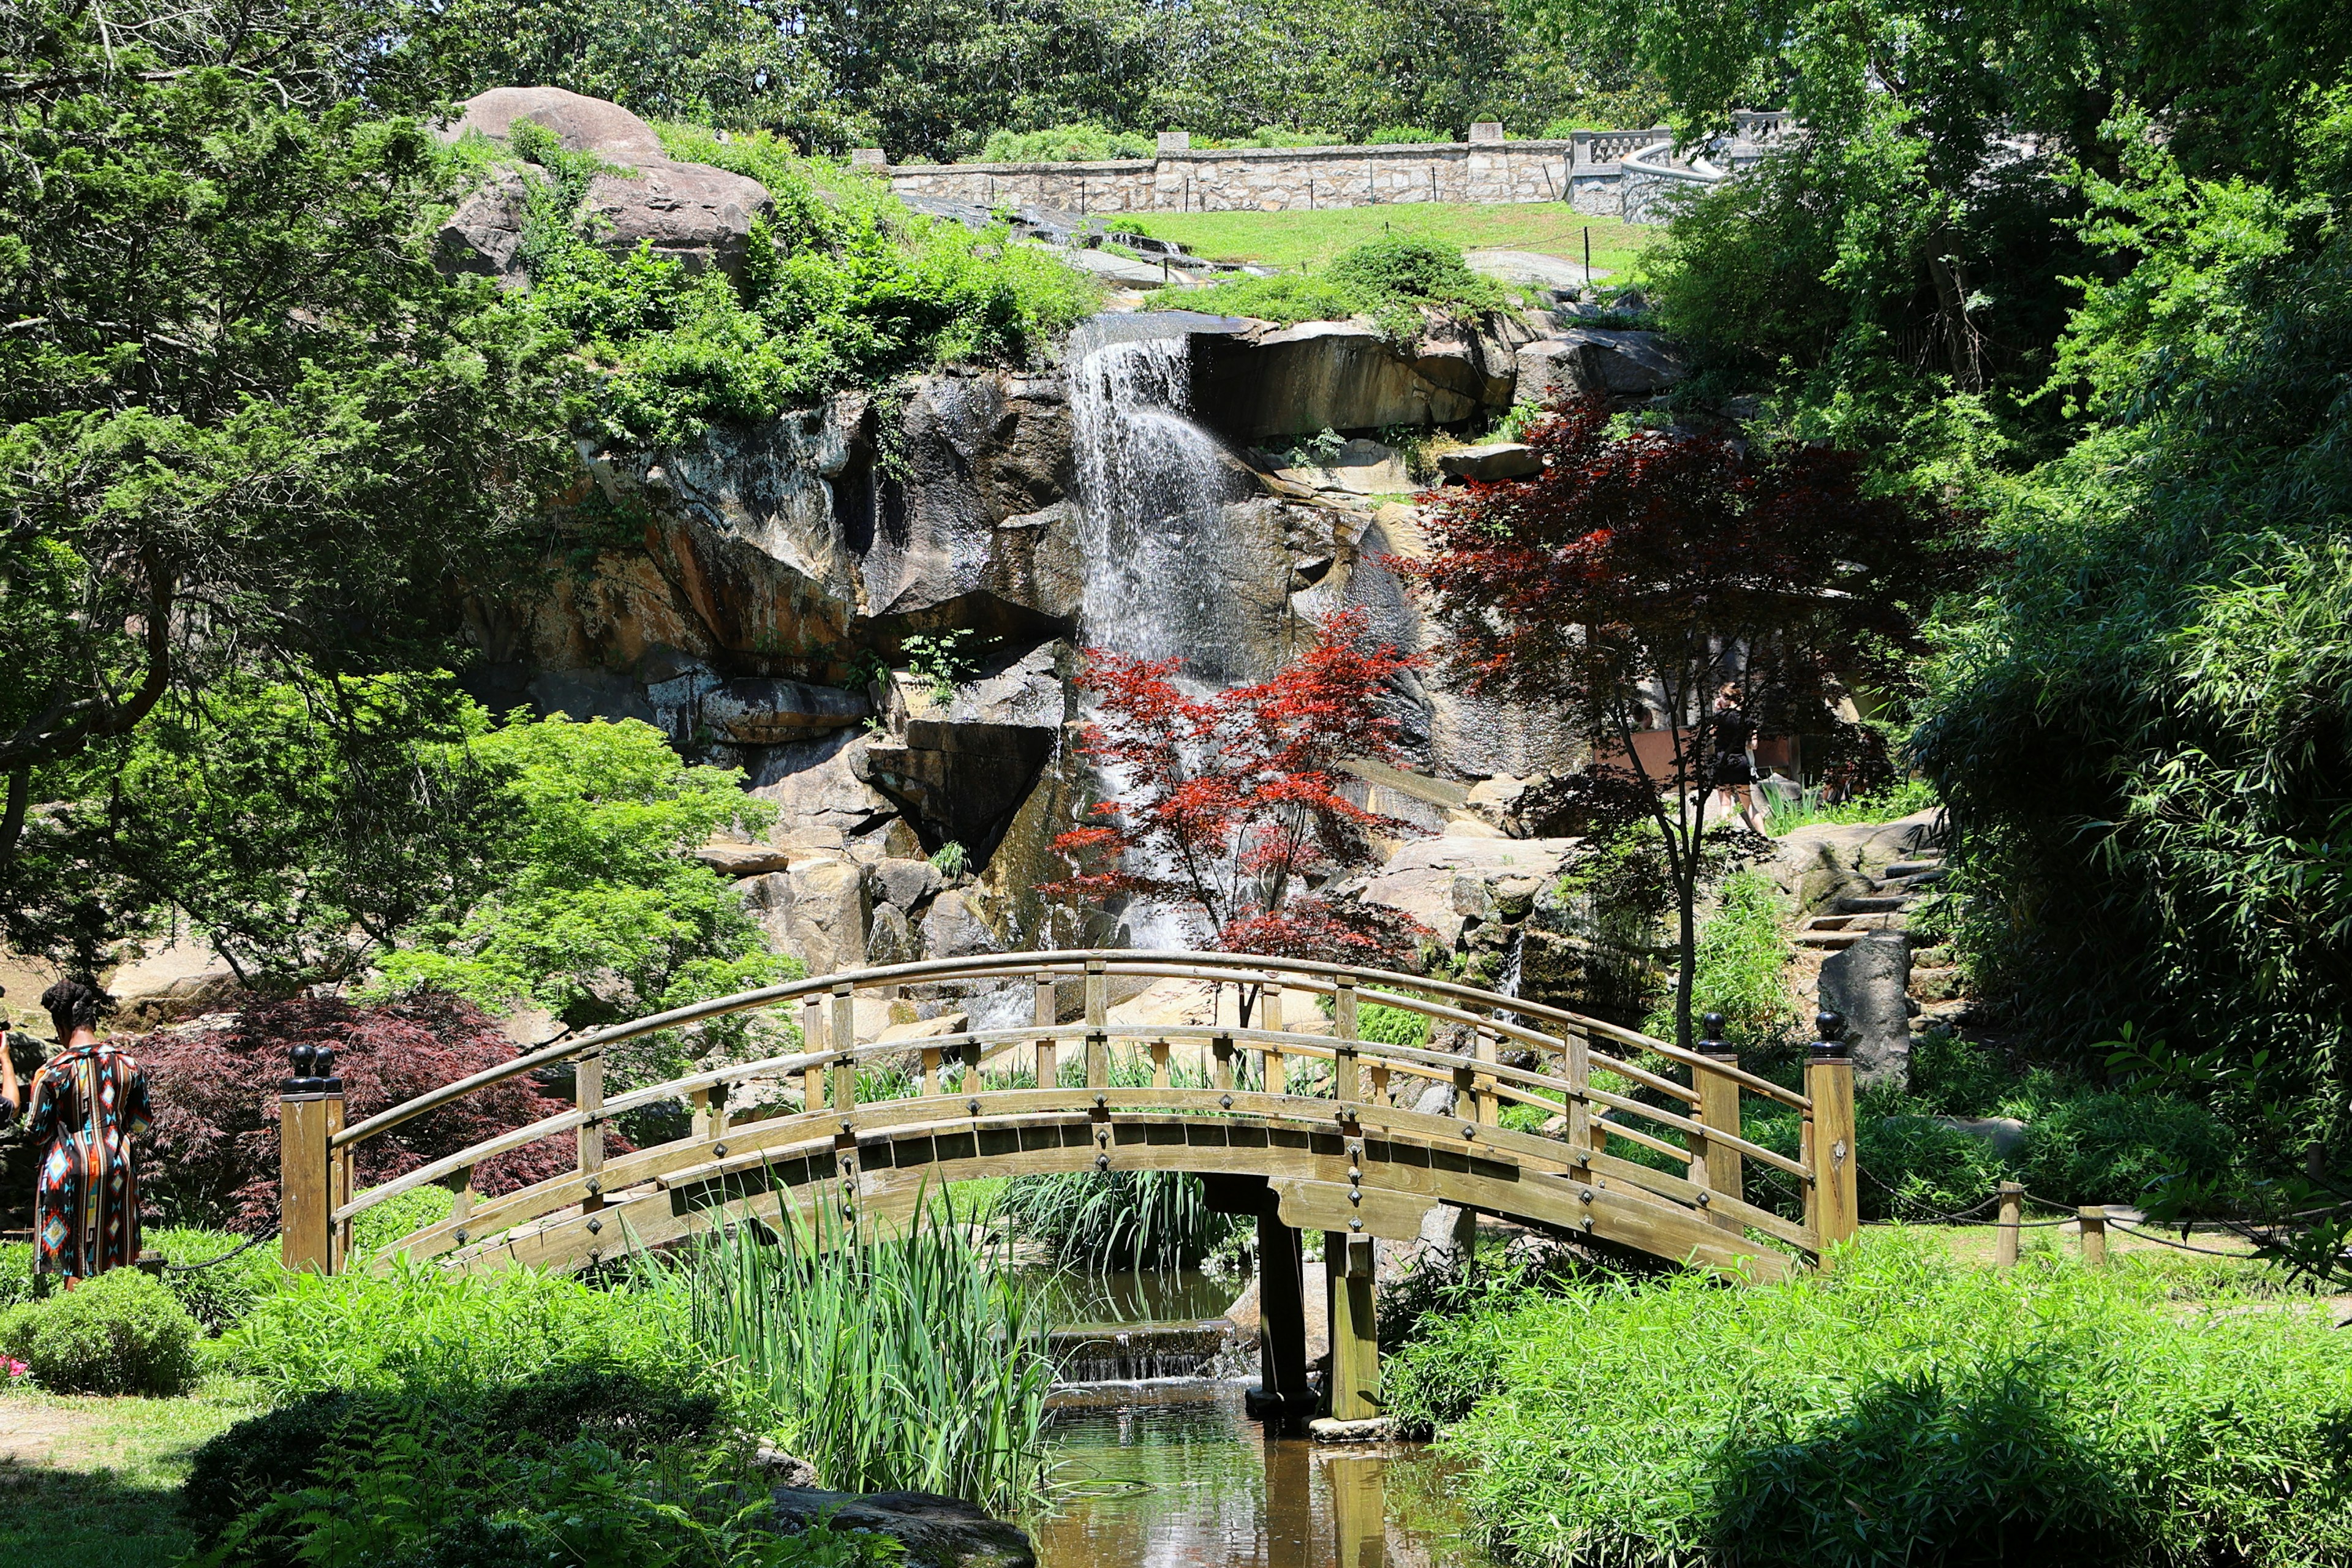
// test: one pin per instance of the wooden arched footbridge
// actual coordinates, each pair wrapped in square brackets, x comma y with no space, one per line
[1297,1119]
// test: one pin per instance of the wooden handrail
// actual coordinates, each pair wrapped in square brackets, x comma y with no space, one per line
[1239,968]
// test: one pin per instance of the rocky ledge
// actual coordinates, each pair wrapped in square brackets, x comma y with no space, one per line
[938,1531]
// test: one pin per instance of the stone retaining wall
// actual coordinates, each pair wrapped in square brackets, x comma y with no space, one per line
[1583,171]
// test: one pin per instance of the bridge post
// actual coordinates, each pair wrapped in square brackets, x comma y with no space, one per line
[1355,1344]
[1716,1167]
[1282,1388]
[1271,1075]
[812,1040]
[1344,1035]
[1041,1013]
[588,1096]
[1097,1025]
[842,1043]
[1828,1084]
[309,1114]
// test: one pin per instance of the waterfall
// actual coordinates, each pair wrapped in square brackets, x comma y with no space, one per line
[1152,487]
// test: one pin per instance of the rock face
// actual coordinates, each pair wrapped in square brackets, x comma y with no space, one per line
[1450,882]
[1870,984]
[1624,366]
[938,1531]
[1820,864]
[690,212]
[1263,380]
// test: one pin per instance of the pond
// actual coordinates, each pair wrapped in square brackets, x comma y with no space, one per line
[1170,1472]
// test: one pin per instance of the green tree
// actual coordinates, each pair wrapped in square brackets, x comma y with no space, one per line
[244,423]
[597,912]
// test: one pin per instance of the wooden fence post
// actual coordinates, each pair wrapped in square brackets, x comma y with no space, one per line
[588,1096]
[811,1039]
[1716,1166]
[1343,1033]
[1828,1084]
[2094,1234]
[1041,1013]
[1273,1077]
[1097,1025]
[843,1045]
[2012,1205]
[309,1114]
[1355,1346]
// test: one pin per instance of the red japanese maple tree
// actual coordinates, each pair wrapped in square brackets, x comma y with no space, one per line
[1637,575]
[1232,805]
[214,1091]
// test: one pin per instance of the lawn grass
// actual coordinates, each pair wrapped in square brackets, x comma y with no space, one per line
[1293,240]
[94,1482]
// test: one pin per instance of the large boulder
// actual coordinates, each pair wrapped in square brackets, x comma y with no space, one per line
[1263,380]
[690,212]
[1869,984]
[938,1531]
[767,711]
[1625,366]
[1819,864]
[1451,881]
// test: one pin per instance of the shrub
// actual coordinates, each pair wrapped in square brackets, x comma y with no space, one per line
[1900,1410]
[1079,143]
[1394,280]
[220,1295]
[1107,1220]
[121,1332]
[1405,135]
[2100,1147]
[603,1467]
[216,1093]
[396,1217]
[1741,967]
[17,1281]
[289,1448]
[421,1329]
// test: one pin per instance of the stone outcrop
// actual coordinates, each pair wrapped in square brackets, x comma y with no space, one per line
[1624,366]
[1261,380]
[1496,461]
[690,212]
[1449,883]
[938,1531]
[1869,985]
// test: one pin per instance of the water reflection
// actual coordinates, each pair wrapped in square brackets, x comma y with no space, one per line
[1177,1476]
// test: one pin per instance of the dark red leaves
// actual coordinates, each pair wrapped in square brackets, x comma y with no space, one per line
[214,1147]
[1235,804]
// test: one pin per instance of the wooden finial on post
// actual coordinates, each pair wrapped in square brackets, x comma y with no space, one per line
[309,1114]
[2012,1206]
[1828,1084]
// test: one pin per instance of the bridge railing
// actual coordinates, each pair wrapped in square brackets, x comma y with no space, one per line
[1510,1052]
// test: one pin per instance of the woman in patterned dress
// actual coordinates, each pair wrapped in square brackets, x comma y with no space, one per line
[83,1108]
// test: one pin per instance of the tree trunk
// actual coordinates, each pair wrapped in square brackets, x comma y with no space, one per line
[1686,961]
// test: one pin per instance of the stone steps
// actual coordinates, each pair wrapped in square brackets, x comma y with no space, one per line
[1872,903]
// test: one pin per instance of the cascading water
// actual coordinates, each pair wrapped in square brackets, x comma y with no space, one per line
[1153,490]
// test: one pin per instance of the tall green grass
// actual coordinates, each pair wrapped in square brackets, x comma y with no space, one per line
[1107,1220]
[1901,1410]
[907,1361]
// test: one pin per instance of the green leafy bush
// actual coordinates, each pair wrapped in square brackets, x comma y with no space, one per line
[221,1294]
[121,1332]
[1394,280]
[1742,967]
[601,1468]
[1079,143]
[1405,136]
[633,1411]
[421,1328]
[844,286]
[396,1217]
[1900,1410]
[17,1280]
[2110,1148]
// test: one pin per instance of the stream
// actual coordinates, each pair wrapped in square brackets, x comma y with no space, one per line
[1168,1472]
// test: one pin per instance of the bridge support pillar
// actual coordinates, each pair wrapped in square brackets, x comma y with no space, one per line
[1355,1340]
[1282,1391]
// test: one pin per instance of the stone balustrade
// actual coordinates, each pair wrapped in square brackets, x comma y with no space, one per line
[1585,170]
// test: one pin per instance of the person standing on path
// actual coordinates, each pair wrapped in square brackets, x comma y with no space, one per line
[84,1107]
[1734,780]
